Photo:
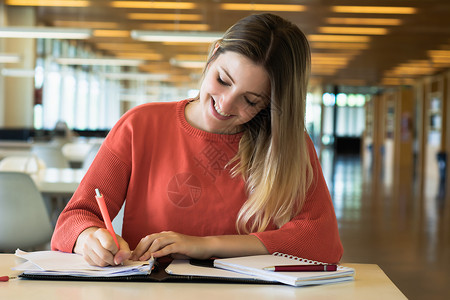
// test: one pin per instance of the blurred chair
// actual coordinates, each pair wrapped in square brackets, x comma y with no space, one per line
[30,164]
[24,220]
[76,152]
[51,155]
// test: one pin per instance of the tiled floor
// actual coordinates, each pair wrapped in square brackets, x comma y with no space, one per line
[390,225]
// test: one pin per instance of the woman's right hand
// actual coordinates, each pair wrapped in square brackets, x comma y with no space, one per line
[99,249]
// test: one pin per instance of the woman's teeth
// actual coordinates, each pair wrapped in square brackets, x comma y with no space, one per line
[220,111]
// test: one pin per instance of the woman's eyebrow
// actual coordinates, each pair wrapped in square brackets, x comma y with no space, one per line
[226,73]
[258,95]
[249,92]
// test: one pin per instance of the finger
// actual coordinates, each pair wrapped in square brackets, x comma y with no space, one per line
[124,253]
[144,245]
[106,240]
[161,246]
[102,247]
[167,250]
[147,246]
[96,255]
[88,259]
[95,260]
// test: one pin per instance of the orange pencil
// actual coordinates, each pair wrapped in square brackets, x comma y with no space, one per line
[101,203]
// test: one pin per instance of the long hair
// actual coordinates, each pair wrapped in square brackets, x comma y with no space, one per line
[273,156]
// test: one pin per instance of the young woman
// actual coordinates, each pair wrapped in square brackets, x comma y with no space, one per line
[230,173]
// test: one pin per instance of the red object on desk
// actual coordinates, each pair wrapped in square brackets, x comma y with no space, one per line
[4,278]
[105,214]
[302,268]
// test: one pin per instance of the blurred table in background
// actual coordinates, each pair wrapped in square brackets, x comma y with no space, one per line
[14,148]
[58,181]
[57,187]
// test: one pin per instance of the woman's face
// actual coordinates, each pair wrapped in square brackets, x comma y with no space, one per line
[233,91]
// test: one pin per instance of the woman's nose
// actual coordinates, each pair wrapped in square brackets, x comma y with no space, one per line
[227,102]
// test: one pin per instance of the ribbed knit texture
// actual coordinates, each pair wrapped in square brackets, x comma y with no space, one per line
[173,177]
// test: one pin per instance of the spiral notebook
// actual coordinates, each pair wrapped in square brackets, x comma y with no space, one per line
[254,266]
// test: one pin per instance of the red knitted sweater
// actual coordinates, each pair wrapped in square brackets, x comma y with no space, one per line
[173,177]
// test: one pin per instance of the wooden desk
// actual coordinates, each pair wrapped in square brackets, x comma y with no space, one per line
[370,283]
[58,181]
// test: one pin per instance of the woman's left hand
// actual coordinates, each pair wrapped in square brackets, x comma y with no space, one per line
[171,243]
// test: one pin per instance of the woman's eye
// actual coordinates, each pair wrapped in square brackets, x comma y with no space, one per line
[221,81]
[250,102]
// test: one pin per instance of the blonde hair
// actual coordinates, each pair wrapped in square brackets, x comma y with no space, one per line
[273,155]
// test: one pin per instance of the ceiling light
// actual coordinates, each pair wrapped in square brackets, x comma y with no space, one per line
[343,46]
[164,17]
[364,21]
[56,3]
[439,53]
[441,60]
[86,24]
[192,47]
[154,4]
[353,30]
[9,58]
[374,9]
[262,7]
[136,76]
[174,26]
[397,81]
[139,55]
[98,61]
[165,36]
[123,46]
[111,33]
[323,71]
[44,32]
[338,38]
[329,62]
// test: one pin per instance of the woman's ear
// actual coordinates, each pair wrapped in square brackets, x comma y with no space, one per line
[212,57]
[216,46]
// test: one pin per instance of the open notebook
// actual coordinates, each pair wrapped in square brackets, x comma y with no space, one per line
[53,265]
[254,266]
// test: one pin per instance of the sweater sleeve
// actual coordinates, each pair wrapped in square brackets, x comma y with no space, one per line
[110,175]
[313,233]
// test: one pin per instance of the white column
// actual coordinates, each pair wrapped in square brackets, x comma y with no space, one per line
[17,96]
[2,50]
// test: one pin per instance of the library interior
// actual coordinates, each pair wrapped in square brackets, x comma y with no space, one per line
[377,107]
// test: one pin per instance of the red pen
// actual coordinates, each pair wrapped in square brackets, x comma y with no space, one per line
[101,203]
[302,268]
[5,278]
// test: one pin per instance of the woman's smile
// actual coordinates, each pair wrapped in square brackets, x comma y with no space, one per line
[217,112]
